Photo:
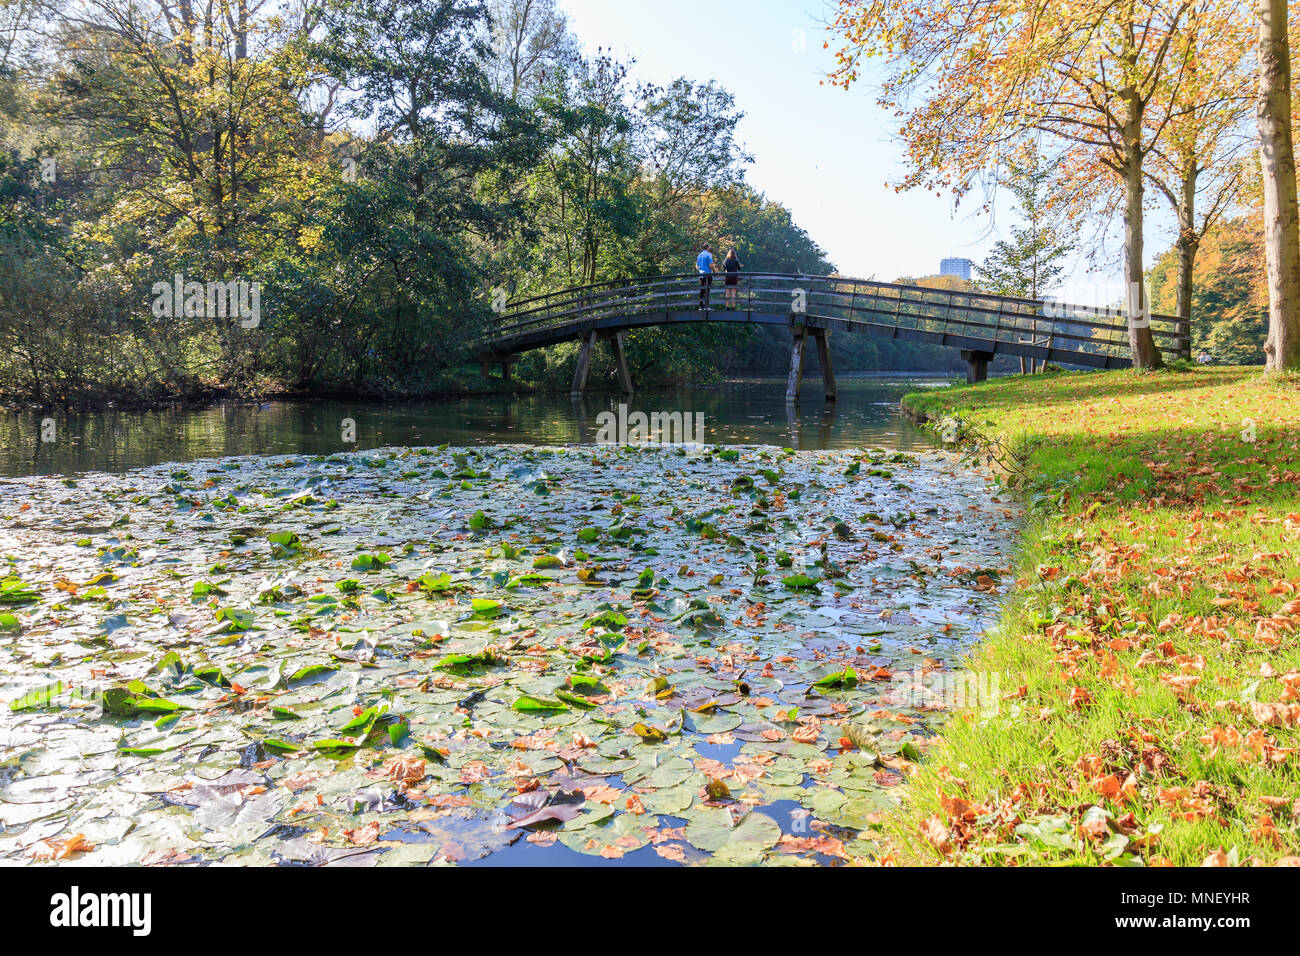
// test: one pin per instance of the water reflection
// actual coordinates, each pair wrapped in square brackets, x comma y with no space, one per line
[737,413]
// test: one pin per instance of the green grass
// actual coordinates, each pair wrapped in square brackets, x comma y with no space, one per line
[1154,628]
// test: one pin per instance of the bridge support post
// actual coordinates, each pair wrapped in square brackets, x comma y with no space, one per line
[795,379]
[798,351]
[823,338]
[505,361]
[977,365]
[616,342]
[583,368]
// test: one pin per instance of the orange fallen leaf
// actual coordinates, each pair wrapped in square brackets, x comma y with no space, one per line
[937,835]
[404,771]
[60,849]
[671,851]
[363,836]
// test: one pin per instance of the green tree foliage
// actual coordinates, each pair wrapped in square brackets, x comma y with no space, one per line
[380,173]
[411,295]
[582,196]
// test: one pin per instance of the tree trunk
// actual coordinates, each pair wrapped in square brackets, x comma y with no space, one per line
[1187,247]
[187,41]
[1141,343]
[1189,242]
[241,32]
[1281,217]
[1142,346]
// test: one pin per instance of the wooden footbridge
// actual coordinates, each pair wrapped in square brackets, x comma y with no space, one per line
[812,307]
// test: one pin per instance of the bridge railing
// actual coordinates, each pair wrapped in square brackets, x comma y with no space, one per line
[887,307]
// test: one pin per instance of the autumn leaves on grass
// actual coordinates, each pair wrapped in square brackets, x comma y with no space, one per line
[1153,628]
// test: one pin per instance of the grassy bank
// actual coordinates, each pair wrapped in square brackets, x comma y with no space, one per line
[1148,654]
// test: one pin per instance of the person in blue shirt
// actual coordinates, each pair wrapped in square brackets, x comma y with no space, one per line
[704,265]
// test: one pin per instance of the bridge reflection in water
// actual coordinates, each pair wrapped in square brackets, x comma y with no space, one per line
[981,325]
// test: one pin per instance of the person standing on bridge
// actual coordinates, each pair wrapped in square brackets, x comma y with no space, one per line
[704,264]
[731,265]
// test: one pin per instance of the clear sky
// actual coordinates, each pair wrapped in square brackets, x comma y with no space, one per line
[825,153]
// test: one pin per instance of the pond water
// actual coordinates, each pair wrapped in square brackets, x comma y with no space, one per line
[746,413]
[489,653]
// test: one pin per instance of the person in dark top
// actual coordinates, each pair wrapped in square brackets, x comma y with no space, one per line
[732,267]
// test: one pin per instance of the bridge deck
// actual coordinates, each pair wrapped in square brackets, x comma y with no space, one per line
[981,324]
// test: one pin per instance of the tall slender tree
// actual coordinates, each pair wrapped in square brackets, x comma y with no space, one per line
[1028,264]
[1281,213]
[1198,164]
[531,42]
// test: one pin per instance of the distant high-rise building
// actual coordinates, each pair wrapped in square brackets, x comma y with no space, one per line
[956,267]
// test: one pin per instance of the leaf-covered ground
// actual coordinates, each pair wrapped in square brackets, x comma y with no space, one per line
[1150,641]
[441,655]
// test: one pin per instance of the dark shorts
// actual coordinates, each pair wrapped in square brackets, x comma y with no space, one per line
[732,279]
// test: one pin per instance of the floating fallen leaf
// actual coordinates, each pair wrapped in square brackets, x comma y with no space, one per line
[60,848]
